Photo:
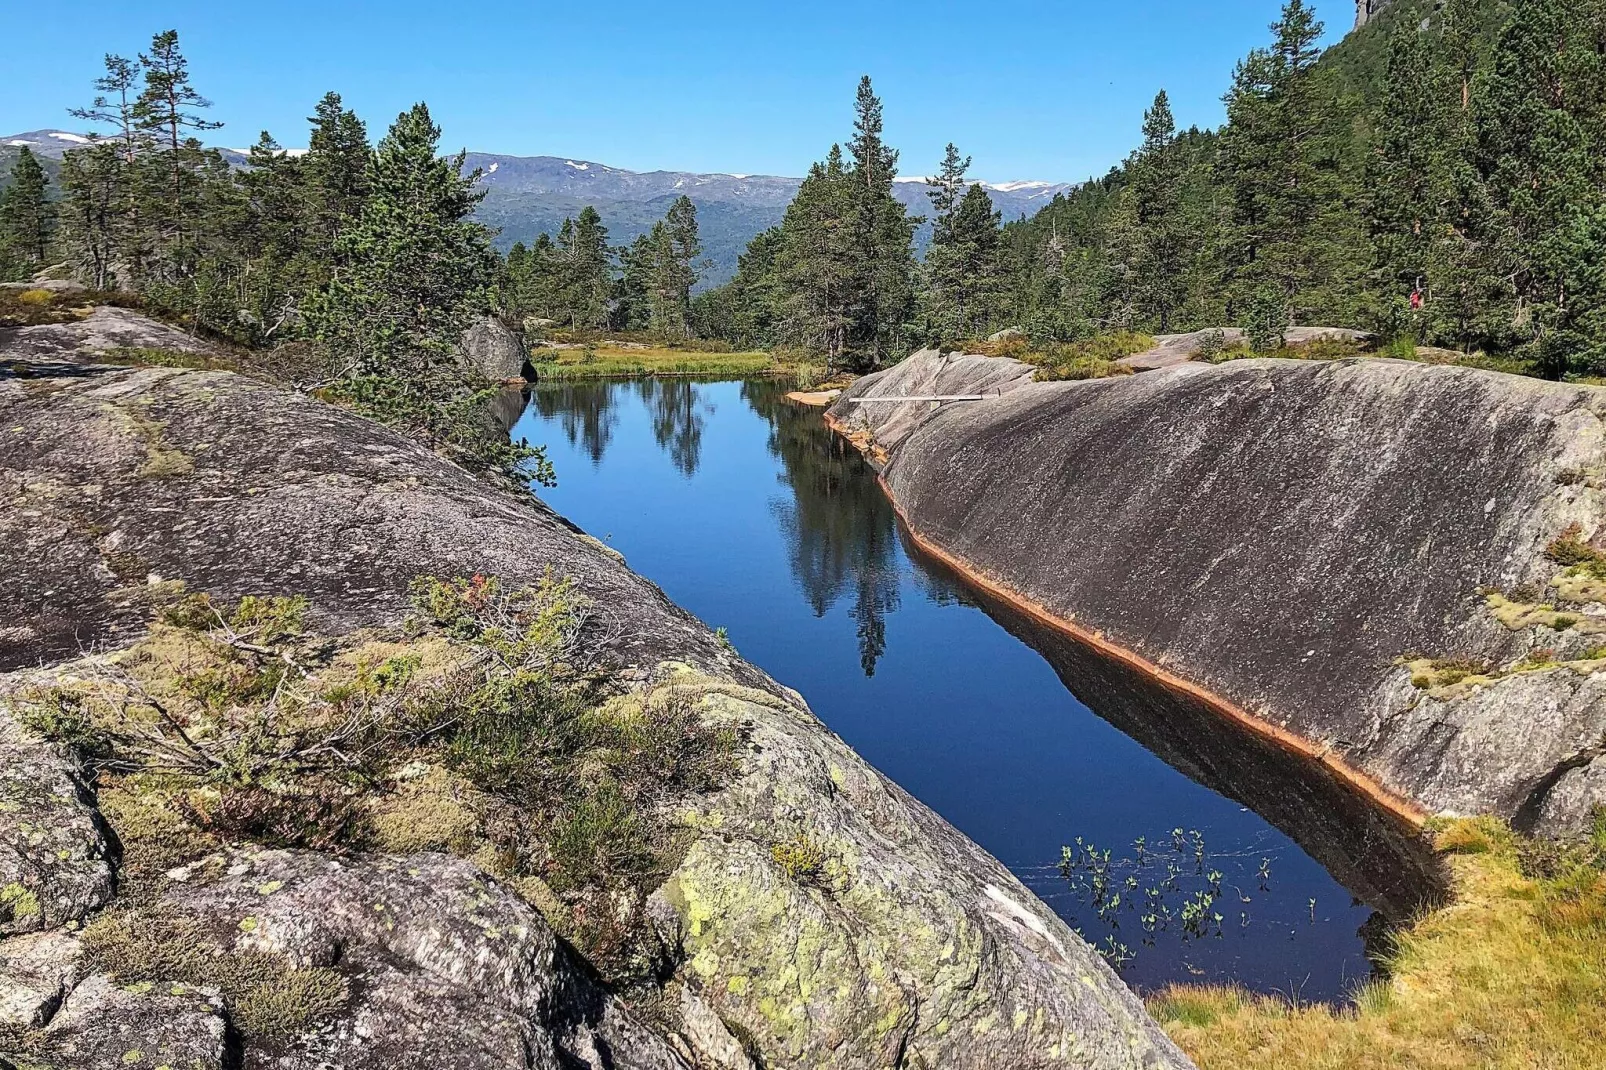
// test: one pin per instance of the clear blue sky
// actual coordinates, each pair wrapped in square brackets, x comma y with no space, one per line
[1048,90]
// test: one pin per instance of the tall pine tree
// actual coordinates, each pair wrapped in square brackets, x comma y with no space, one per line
[27,217]
[415,269]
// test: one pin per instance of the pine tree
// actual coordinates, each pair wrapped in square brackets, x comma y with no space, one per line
[587,270]
[335,167]
[817,267]
[1280,157]
[92,210]
[115,104]
[1538,161]
[947,190]
[880,240]
[961,277]
[169,109]
[679,267]
[1162,233]
[27,218]
[415,268]
[1407,178]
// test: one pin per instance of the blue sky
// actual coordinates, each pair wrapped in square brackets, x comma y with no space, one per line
[1043,91]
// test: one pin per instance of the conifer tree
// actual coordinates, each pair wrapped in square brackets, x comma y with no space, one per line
[960,274]
[587,267]
[880,240]
[27,218]
[115,104]
[414,267]
[1162,232]
[1287,228]
[1538,160]
[93,210]
[169,110]
[818,265]
[336,167]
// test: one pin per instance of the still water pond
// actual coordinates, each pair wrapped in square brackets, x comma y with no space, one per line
[750,514]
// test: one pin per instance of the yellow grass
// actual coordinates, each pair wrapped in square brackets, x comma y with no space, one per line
[605,361]
[1510,975]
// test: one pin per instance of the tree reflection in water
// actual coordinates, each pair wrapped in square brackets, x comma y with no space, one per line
[840,529]
[585,413]
[677,409]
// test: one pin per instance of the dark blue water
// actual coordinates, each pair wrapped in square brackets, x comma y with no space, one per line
[755,518]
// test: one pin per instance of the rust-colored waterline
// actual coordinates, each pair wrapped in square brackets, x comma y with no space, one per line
[1289,741]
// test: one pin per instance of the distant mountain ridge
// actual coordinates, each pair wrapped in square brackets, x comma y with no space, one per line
[530,195]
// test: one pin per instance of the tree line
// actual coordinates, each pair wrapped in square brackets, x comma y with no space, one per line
[1438,177]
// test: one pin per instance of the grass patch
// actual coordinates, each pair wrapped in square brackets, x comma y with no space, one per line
[148,357]
[611,361]
[1091,358]
[1316,349]
[39,307]
[1511,973]
[266,995]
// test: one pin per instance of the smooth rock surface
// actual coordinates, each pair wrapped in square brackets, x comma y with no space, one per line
[1281,533]
[879,427]
[106,328]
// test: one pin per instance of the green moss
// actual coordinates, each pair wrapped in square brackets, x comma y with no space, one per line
[151,357]
[800,858]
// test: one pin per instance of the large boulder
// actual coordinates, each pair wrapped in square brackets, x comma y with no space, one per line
[878,426]
[1348,555]
[54,867]
[494,350]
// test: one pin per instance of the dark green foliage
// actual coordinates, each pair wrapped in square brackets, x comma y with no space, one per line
[837,277]
[415,269]
[962,293]
[27,217]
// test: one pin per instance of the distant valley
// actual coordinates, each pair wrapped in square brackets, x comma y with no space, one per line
[531,195]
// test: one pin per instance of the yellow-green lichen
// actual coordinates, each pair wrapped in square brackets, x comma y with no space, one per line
[19,901]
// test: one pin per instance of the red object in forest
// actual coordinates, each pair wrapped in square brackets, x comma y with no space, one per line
[1416,300]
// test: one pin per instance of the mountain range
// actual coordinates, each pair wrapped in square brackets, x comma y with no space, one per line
[530,195]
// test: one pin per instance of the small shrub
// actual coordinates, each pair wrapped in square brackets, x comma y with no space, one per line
[1570,549]
[320,816]
[800,858]
[62,716]
[1265,320]
[1211,346]
[37,298]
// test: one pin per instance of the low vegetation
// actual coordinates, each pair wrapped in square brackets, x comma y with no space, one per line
[611,361]
[482,729]
[1092,358]
[1511,973]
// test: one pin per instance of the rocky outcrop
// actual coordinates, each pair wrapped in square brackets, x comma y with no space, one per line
[1170,350]
[877,427]
[54,857]
[906,945]
[494,350]
[106,328]
[1277,538]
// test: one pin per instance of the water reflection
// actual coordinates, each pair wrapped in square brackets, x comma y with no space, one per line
[1380,858]
[840,530]
[761,521]
[677,410]
[586,414]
